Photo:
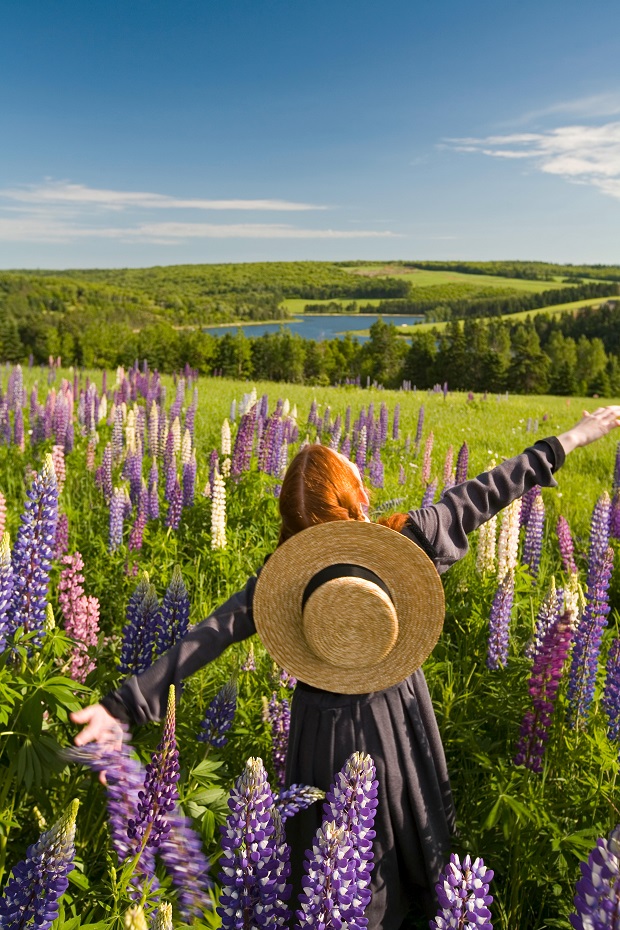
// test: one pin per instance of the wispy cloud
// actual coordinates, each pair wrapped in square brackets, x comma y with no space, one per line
[580,154]
[595,106]
[63,212]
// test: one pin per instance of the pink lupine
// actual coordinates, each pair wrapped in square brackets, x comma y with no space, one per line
[2,512]
[81,614]
[427,462]
[58,458]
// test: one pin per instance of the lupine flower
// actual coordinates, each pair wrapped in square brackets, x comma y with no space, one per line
[532,546]
[90,454]
[611,695]
[61,540]
[419,428]
[526,503]
[566,545]
[152,824]
[508,543]
[219,716]
[427,462]
[18,429]
[218,513]
[462,462]
[375,470]
[328,889]
[117,435]
[429,494]
[163,917]
[614,526]
[598,889]
[499,622]
[547,615]
[487,545]
[140,632]
[463,894]
[6,587]
[250,660]
[136,535]
[37,883]
[153,492]
[181,852]
[255,861]
[2,512]
[279,717]
[289,801]
[153,430]
[134,918]
[175,507]
[396,422]
[117,517]
[584,663]
[360,454]
[32,553]
[285,680]
[186,447]
[58,458]
[543,687]
[402,476]
[599,534]
[448,477]
[244,440]
[173,619]
[81,615]
[189,480]
[106,474]
[226,446]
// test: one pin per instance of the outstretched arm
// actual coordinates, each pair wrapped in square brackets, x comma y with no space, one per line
[465,507]
[142,698]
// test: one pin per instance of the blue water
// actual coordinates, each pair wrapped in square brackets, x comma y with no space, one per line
[318,327]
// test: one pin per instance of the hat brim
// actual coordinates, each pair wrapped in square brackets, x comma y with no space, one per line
[411,577]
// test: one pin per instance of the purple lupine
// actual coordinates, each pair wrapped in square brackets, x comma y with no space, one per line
[396,422]
[599,535]
[427,461]
[462,463]
[184,859]
[614,525]
[463,895]
[159,796]
[173,619]
[597,900]
[419,428]
[351,803]
[37,883]
[6,587]
[611,695]
[189,481]
[32,554]
[429,493]
[117,519]
[527,501]
[290,801]
[312,415]
[61,540]
[566,545]
[329,887]
[279,717]
[285,680]
[345,449]
[154,492]
[170,478]
[588,636]
[219,716]
[499,622]
[532,546]
[548,613]
[244,440]
[383,423]
[543,686]
[375,470]
[616,484]
[18,429]
[140,631]
[106,474]
[136,534]
[255,861]
[175,507]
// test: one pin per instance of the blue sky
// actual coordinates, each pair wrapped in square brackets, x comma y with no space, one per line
[143,132]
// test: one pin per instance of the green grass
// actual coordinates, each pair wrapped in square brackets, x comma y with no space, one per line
[423,278]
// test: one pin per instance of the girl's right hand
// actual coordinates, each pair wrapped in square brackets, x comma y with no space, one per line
[591,427]
[101,727]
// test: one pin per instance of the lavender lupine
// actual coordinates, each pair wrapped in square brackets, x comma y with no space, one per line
[499,622]
[611,694]
[419,429]
[597,901]
[159,796]
[181,852]
[345,449]
[117,519]
[396,422]
[588,637]
[566,546]
[81,615]
[154,492]
[37,883]
[614,526]
[543,687]
[429,493]
[61,540]
[18,429]
[278,714]
[136,534]
[219,716]
[376,470]
[32,553]
[175,507]
[599,534]
[462,463]
[463,895]
[427,461]
[140,631]
[532,546]
[290,801]
[255,861]
[244,440]
[173,619]
[6,587]
[527,502]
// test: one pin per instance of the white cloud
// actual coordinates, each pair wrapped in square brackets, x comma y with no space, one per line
[581,154]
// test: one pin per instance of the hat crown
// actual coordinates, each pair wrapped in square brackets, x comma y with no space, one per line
[350,623]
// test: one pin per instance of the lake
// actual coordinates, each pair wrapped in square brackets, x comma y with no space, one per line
[318,326]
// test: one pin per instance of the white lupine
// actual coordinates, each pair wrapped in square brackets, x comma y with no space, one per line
[130,431]
[124,411]
[103,408]
[283,459]
[218,513]
[226,445]
[120,375]
[175,429]
[487,545]
[226,464]
[233,410]
[186,448]
[247,402]
[508,545]
[294,412]
[112,416]
[286,406]
[153,429]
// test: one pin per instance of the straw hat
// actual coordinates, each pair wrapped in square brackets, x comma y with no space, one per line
[349,607]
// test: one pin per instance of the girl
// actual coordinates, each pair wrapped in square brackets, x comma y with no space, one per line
[396,725]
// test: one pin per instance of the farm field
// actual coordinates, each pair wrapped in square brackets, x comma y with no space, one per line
[421,277]
[150,473]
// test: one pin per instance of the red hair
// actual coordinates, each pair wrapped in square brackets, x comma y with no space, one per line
[320,487]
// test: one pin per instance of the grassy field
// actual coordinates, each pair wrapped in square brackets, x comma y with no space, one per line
[420,277]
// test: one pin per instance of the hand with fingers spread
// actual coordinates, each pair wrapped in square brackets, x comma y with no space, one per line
[591,427]
[101,727]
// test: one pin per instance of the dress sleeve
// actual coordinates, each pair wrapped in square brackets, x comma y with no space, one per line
[143,698]
[462,509]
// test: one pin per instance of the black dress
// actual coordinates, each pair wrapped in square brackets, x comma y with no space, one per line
[415,816]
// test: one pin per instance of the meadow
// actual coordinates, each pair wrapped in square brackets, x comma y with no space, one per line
[155,473]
